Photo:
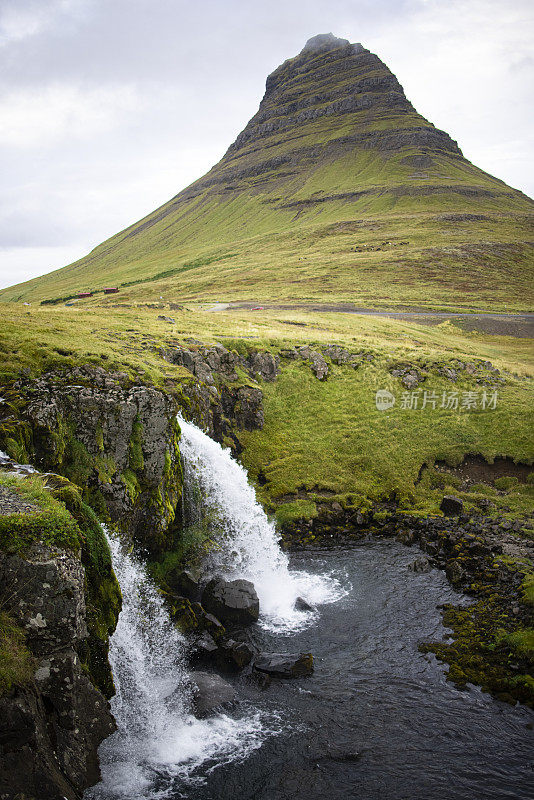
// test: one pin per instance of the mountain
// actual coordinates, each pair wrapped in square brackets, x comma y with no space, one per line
[336,190]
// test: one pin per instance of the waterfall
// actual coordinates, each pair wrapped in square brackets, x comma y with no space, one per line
[247,543]
[159,744]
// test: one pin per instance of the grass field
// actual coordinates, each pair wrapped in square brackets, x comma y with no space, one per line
[321,439]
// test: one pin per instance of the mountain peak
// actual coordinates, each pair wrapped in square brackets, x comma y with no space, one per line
[336,183]
[324,41]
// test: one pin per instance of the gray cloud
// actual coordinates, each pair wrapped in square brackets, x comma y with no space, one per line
[110,107]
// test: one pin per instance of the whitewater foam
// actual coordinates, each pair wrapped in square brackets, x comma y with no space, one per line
[217,486]
[159,744]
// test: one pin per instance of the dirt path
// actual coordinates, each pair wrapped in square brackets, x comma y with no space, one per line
[518,325]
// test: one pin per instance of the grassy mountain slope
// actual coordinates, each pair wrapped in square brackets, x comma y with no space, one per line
[337,189]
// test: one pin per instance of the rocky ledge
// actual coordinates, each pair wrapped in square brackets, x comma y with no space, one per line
[58,605]
[115,439]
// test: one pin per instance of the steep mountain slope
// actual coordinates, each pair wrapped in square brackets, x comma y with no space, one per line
[337,189]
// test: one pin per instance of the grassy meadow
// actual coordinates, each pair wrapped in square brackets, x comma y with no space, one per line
[322,440]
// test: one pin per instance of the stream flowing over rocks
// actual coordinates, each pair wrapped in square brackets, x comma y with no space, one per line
[247,543]
[375,719]
[326,690]
[368,715]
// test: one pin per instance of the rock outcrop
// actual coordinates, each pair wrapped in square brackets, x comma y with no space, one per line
[117,441]
[50,727]
[232,601]
[285,665]
[211,693]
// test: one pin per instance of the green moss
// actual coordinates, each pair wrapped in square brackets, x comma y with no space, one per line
[136,458]
[53,525]
[295,511]
[16,450]
[65,522]
[77,463]
[16,662]
[183,615]
[520,642]
[496,662]
[106,468]
[103,599]
[527,588]
[102,591]
[94,498]
[191,544]
[100,437]
[505,483]
[167,470]
[131,481]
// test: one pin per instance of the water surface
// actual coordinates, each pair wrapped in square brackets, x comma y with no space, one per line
[377,720]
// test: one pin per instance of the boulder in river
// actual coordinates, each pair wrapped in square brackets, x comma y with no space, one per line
[204,648]
[451,506]
[232,601]
[285,665]
[302,605]
[234,655]
[184,582]
[210,694]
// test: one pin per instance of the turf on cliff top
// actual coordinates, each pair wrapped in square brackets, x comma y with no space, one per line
[336,190]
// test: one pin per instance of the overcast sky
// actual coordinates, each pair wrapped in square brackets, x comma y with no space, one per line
[109,107]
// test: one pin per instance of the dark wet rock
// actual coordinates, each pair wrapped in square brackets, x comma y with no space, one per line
[285,665]
[451,506]
[232,601]
[184,582]
[455,573]
[207,622]
[406,537]
[192,617]
[204,648]
[420,564]
[233,655]
[260,680]
[48,597]
[290,353]
[163,318]
[211,693]
[183,615]
[51,728]
[302,605]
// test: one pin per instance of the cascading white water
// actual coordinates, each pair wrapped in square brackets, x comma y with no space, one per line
[158,743]
[248,544]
